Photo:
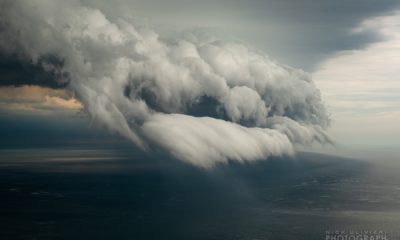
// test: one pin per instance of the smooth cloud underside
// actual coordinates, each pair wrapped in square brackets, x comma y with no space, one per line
[153,91]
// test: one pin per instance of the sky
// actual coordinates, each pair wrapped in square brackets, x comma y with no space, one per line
[343,58]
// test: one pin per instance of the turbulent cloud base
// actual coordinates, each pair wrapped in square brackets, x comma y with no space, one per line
[203,100]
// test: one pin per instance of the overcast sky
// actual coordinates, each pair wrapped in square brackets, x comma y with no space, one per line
[300,33]
[351,49]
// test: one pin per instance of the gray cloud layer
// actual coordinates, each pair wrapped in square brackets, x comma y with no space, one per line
[144,88]
[299,32]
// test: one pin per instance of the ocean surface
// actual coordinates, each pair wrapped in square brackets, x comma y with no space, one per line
[116,192]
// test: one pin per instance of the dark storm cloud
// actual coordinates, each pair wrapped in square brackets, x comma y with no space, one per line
[136,83]
[315,29]
[16,71]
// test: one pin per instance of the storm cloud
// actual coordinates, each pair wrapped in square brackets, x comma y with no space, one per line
[150,90]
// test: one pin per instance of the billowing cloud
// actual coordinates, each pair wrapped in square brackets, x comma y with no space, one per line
[201,99]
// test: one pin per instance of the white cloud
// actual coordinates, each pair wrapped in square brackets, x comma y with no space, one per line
[205,141]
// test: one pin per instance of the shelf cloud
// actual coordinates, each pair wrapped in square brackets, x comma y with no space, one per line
[201,99]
